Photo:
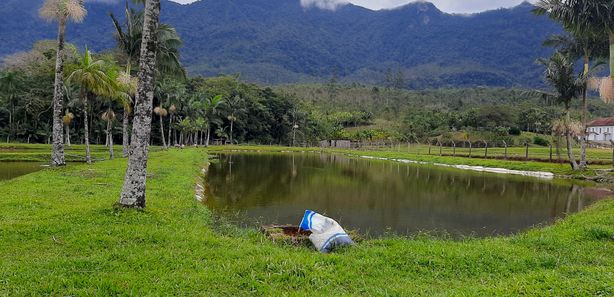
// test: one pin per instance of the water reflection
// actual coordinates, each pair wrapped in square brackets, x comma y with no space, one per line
[9,170]
[375,196]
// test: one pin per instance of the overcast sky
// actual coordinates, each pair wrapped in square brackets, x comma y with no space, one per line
[458,6]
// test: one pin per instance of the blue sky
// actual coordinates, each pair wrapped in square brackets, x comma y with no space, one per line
[457,6]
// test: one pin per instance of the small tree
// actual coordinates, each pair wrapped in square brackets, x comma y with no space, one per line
[93,77]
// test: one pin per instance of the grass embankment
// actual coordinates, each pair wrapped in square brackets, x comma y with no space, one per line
[42,152]
[61,236]
[560,169]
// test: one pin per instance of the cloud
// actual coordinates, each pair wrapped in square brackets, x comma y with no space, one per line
[324,4]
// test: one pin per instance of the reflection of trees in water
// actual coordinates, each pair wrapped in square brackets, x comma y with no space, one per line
[383,193]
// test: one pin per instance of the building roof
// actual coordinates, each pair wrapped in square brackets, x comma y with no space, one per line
[601,122]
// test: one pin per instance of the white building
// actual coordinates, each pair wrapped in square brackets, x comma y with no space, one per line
[601,130]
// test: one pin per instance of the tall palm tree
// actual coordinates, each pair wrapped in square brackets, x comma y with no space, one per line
[109,116]
[583,47]
[559,73]
[120,95]
[9,86]
[212,108]
[162,113]
[235,106]
[67,119]
[133,192]
[129,34]
[584,18]
[61,11]
[128,85]
[92,77]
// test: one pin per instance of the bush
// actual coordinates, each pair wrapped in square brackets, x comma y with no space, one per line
[515,131]
[538,140]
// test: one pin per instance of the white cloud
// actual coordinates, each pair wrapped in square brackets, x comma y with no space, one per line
[324,4]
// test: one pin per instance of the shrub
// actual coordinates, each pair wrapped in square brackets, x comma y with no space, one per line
[514,131]
[538,140]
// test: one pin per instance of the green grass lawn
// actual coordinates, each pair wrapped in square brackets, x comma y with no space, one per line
[42,152]
[60,235]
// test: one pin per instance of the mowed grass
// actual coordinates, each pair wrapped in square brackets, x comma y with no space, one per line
[42,152]
[60,235]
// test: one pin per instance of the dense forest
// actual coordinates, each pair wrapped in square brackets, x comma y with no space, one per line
[248,113]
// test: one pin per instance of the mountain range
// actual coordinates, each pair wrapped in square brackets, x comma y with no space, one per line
[281,41]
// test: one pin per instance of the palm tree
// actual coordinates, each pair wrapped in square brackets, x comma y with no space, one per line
[92,76]
[61,11]
[236,107]
[121,96]
[109,117]
[162,113]
[586,47]
[584,18]
[211,107]
[67,120]
[133,192]
[9,86]
[128,85]
[559,73]
[129,34]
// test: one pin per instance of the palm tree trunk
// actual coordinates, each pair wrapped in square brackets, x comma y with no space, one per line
[8,136]
[68,135]
[162,132]
[125,133]
[110,139]
[88,158]
[133,192]
[570,154]
[170,121]
[208,135]
[57,154]
[584,138]
[231,126]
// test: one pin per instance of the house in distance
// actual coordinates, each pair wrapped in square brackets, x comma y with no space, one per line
[601,130]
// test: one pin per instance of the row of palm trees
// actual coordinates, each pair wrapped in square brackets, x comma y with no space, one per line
[143,39]
[590,25]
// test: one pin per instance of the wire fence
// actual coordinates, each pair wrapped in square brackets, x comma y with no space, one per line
[596,154]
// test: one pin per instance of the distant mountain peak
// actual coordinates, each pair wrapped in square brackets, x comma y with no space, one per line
[420,6]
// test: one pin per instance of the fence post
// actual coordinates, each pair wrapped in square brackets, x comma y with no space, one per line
[454,149]
[470,149]
[485,149]
[505,145]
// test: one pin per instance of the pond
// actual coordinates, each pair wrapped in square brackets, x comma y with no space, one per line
[379,197]
[10,170]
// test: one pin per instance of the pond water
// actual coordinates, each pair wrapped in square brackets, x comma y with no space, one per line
[10,170]
[377,197]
